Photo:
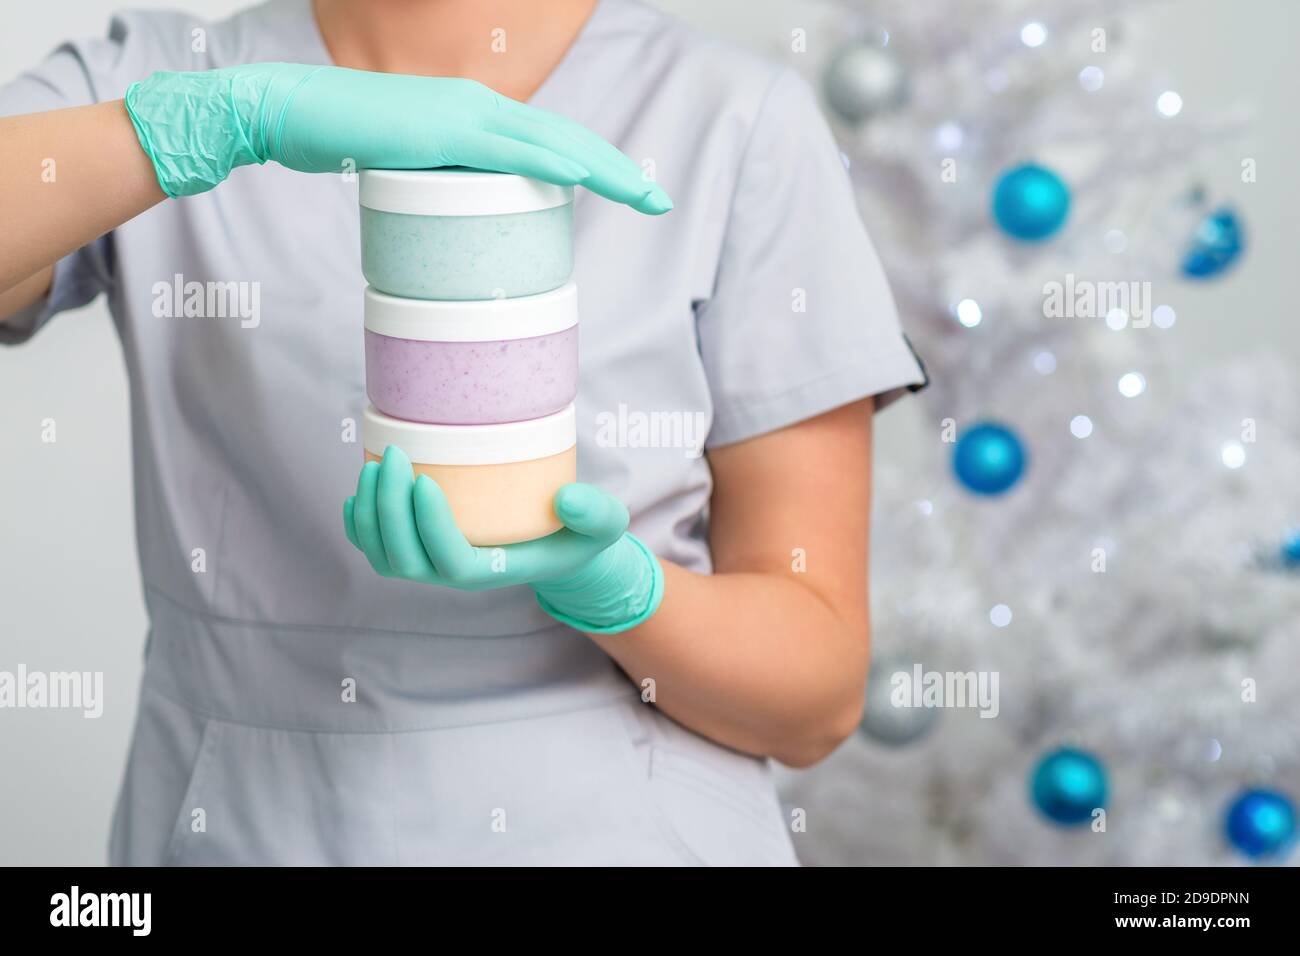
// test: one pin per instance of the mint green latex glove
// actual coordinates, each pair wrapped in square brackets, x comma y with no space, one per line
[197,127]
[591,574]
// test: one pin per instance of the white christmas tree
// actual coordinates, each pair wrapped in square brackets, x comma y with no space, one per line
[1135,591]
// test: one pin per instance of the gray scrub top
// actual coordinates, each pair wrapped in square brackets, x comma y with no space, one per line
[298,708]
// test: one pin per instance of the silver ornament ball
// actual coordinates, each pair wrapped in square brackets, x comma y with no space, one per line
[886,723]
[862,80]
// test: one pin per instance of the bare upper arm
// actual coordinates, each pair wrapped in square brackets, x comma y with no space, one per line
[25,293]
[802,490]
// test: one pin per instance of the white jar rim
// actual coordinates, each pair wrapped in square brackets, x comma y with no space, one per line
[500,444]
[472,320]
[457,191]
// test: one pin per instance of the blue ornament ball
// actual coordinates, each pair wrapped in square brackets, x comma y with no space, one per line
[1290,550]
[989,458]
[1030,202]
[1261,823]
[1215,246]
[1067,785]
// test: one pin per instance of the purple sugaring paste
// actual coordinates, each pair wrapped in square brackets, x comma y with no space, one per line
[472,383]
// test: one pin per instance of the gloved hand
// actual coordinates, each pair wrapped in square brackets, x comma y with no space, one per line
[197,127]
[591,574]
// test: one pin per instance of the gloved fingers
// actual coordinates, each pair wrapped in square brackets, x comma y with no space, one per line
[486,150]
[401,540]
[556,555]
[452,555]
[592,513]
[613,174]
[365,519]
[349,525]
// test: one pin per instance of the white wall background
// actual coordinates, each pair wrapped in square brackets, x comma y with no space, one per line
[69,586]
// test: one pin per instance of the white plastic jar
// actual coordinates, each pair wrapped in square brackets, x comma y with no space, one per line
[464,234]
[500,480]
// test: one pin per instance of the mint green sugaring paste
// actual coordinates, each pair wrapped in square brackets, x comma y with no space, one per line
[467,257]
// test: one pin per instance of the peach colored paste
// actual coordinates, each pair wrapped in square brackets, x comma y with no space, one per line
[503,504]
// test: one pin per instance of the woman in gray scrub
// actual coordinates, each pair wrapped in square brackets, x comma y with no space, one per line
[299,708]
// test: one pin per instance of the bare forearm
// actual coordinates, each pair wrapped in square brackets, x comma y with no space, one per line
[71,176]
[756,661]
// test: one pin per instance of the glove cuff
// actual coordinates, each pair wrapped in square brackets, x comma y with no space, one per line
[623,590]
[196,127]
[167,109]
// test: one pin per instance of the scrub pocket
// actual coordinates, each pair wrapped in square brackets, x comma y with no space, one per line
[269,797]
[609,785]
[719,805]
[162,767]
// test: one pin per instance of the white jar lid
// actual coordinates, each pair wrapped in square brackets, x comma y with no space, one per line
[457,191]
[470,444]
[476,320]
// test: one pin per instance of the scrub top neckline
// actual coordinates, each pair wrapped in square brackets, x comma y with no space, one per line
[321,53]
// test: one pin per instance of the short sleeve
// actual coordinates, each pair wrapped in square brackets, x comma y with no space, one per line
[75,74]
[801,319]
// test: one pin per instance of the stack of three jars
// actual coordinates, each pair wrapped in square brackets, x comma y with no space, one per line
[471,337]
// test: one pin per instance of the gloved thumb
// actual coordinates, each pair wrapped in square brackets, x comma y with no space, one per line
[588,511]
